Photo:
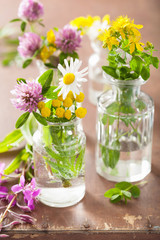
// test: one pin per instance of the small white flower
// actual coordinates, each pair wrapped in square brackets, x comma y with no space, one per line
[72,78]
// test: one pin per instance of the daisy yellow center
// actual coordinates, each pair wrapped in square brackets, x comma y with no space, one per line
[68,78]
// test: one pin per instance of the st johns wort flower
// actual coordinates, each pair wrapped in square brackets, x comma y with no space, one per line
[29,191]
[27,95]
[30,10]
[28,44]
[68,39]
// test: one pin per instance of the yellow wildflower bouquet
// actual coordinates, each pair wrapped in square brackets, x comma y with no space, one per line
[128,57]
[93,27]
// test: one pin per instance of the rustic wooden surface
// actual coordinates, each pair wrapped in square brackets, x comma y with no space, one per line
[94,217]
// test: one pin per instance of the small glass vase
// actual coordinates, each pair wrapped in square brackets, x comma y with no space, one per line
[58,151]
[124,130]
[97,82]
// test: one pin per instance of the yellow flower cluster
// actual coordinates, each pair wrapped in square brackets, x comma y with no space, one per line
[47,51]
[84,23]
[61,106]
[45,111]
[123,28]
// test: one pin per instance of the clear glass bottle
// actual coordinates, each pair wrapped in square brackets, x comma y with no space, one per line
[124,130]
[59,150]
[97,82]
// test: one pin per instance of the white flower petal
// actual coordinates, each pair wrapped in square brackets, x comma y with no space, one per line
[61,69]
[66,63]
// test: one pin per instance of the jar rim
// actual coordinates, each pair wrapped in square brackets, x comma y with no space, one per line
[117,82]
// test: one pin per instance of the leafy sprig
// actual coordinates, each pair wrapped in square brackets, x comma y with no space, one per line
[123,191]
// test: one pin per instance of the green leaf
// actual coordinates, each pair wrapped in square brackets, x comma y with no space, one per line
[15,20]
[126,108]
[20,80]
[49,65]
[127,194]
[136,64]
[155,62]
[15,163]
[140,104]
[27,63]
[62,56]
[123,185]
[54,155]
[113,108]
[112,192]
[46,78]
[62,171]
[79,160]
[135,191]
[56,29]
[49,94]
[113,155]
[11,140]
[145,73]
[115,198]
[23,26]
[110,157]
[110,71]
[40,119]
[22,119]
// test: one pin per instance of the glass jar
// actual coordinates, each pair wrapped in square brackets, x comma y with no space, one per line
[124,130]
[58,151]
[97,82]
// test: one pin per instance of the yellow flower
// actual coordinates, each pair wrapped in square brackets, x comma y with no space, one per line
[44,54]
[106,18]
[67,102]
[84,22]
[51,50]
[81,112]
[51,37]
[134,42]
[60,112]
[68,114]
[70,95]
[68,78]
[80,97]
[60,98]
[41,105]
[109,41]
[126,27]
[56,103]
[45,112]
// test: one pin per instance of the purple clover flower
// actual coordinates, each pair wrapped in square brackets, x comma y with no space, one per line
[2,167]
[29,191]
[28,44]
[68,39]
[27,95]
[30,10]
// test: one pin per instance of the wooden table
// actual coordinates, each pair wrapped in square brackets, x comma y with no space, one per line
[94,217]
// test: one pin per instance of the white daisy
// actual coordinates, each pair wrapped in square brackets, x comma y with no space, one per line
[72,78]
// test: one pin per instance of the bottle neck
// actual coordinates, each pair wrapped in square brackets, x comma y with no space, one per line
[125,93]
